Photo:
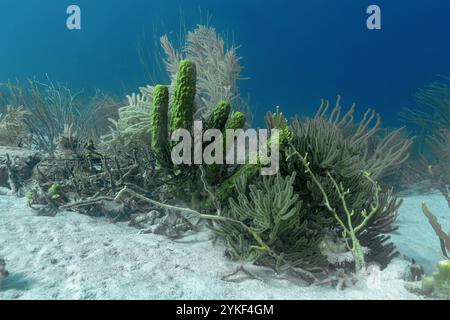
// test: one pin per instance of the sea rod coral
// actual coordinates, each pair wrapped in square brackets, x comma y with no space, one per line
[341,154]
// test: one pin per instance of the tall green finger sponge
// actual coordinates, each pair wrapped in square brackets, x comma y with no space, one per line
[237,121]
[159,124]
[219,116]
[182,111]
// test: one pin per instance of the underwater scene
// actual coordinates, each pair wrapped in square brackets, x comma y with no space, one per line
[224,150]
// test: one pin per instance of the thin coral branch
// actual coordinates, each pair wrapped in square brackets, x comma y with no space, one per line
[348,228]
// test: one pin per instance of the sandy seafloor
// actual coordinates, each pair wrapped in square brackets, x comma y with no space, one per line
[72,256]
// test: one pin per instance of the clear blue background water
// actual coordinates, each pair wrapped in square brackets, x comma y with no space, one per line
[295,52]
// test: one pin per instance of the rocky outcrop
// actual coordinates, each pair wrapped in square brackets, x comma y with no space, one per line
[22,163]
[3,272]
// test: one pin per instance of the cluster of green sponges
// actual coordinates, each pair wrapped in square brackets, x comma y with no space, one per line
[281,221]
[164,121]
[439,282]
[181,113]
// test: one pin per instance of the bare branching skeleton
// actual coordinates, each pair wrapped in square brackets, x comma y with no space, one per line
[12,125]
[48,108]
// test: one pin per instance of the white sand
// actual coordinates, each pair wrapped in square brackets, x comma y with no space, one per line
[415,237]
[71,256]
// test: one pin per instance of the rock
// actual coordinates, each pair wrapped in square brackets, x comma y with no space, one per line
[23,162]
[154,216]
[6,192]
[145,220]
[53,170]
[3,272]
[172,226]
[163,227]
[415,287]
[416,272]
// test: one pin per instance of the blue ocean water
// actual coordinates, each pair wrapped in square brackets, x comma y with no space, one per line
[295,52]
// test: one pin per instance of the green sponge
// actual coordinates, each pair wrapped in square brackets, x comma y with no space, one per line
[439,283]
[219,116]
[182,112]
[159,124]
[237,121]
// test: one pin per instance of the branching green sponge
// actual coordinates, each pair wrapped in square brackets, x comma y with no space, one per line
[159,124]
[182,111]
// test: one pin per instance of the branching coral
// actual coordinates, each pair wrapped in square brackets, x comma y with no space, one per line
[12,126]
[349,230]
[443,237]
[105,107]
[329,163]
[218,68]
[281,221]
[433,110]
[50,107]
[431,121]
[438,169]
[277,215]
[381,153]
[132,127]
[376,234]
[340,148]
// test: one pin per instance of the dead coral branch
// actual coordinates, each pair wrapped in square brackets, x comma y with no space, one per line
[443,237]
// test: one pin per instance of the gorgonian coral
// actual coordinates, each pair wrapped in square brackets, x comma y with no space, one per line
[12,126]
[338,163]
